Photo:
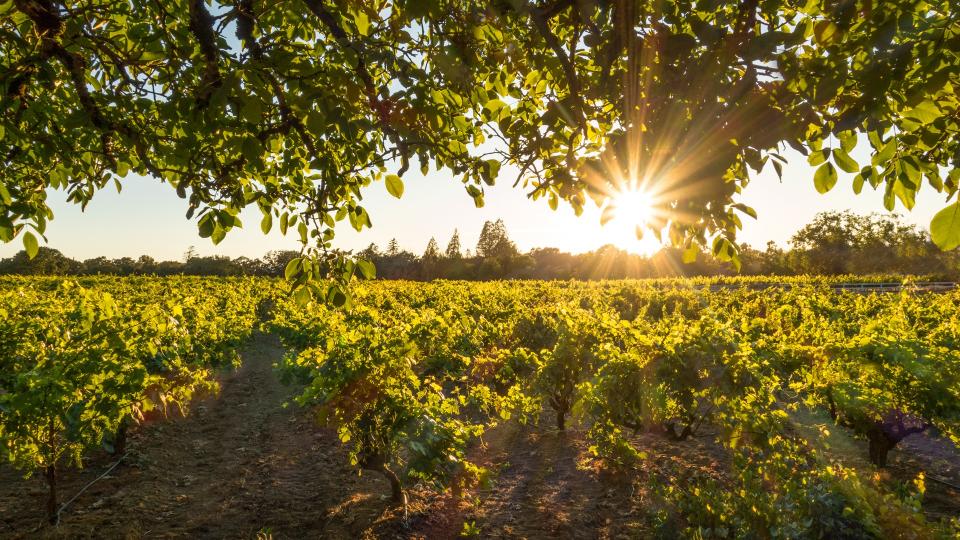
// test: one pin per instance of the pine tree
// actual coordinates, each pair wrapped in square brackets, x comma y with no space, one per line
[393,248]
[433,250]
[503,246]
[453,247]
[487,240]
[494,241]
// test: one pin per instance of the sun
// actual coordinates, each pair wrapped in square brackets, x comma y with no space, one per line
[634,207]
[628,217]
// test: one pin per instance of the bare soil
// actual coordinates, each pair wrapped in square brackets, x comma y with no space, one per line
[545,485]
[249,463]
[242,465]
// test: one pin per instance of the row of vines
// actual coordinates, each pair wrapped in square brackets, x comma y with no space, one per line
[412,375]
[83,362]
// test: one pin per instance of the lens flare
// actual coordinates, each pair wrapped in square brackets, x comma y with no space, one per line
[627,216]
[634,207]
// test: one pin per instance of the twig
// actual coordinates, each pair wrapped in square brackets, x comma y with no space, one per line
[944,482]
[86,487]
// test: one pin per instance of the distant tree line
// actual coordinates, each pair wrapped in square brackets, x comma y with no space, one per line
[833,243]
[51,262]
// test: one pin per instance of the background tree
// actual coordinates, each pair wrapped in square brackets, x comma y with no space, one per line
[296,107]
[371,252]
[846,243]
[494,241]
[486,241]
[146,265]
[393,248]
[431,263]
[453,246]
[432,253]
[47,261]
[275,262]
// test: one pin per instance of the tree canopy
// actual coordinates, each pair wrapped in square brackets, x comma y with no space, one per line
[296,107]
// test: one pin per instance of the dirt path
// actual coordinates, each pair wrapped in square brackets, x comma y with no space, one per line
[242,465]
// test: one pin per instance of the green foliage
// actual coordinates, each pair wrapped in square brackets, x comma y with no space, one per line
[414,374]
[78,361]
[470,528]
[945,227]
[411,376]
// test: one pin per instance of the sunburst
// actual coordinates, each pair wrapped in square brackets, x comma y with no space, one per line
[628,215]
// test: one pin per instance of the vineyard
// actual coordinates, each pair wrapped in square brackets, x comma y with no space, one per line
[664,408]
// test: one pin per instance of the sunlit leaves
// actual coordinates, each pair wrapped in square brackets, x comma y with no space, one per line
[826,32]
[945,227]
[424,369]
[79,362]
[293,268]
[825,177]
[30,244]
[267,222]
[367,270]
[844,161]
[394,185]
[925,112]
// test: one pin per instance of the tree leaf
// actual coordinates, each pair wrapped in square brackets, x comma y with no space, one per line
[219,233]
[746,209]
[818,157]
[825,178]
[858,184]
[206,225]
[292,268]
[844,161]
[367,269]
[363,22]
[608,213]
[945,227]
[925,112]
[30,244]
[394,185]
[826,32]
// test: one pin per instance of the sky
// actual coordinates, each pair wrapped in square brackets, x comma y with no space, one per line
[147,218]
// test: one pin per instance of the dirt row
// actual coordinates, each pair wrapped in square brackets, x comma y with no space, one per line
[244,464]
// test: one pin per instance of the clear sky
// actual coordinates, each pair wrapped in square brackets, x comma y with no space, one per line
[148,218]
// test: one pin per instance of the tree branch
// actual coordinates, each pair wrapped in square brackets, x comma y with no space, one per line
[201,26]
[541,16]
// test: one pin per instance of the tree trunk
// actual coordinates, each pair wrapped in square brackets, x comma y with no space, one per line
[379,464]
[396,488]
[885,434]
[671,429]
[120,440]
[561,419]
[52,502]
[880,446]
